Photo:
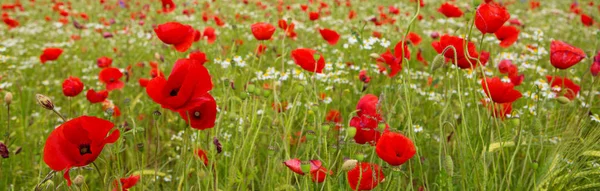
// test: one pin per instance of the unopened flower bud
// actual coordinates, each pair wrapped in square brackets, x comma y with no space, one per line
[438,61]
[3,150]
[449,165]
[349,164]
[79,180]
[8,98]
[351,132]
[374,55]
[360,157]
[44,101]
[563,100]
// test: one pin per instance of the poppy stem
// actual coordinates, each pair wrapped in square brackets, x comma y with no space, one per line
[48,177]
[98,170]
[7,124]
[60,115]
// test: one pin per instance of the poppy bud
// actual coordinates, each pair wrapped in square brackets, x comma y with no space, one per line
[349,164]
[8,98]
[351,132]
[325,128]
[374,55]
[563,100]
[534,165]
[305,166]
[251,88]
[437,62]
[266,93]
[360,157]
[516,122]
[44,101]
[243,96]
[3,150]
[79,180]
[17,150]
[449,165]
[218,145]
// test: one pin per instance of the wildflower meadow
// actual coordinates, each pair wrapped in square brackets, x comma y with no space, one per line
[299,95]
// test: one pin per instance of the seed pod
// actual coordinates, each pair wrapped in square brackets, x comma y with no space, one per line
[44,101]
[349,164]
[8,98]
[79,180]
[325,128]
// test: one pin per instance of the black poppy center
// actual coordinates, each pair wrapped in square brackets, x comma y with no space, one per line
[111,80]
[84,149]
[174,92]
[197,114]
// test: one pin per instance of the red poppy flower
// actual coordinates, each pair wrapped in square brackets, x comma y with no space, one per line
[420,58]
[563,55]
[77,143]
[188,79]
[595,69]
[306,58]
[218,21]
[489,17]
[209,34]
[319,175]
[395,148]
[262,31]
[563,86]
[362,75]
[202,155]
[507,35]
[367,105]
[516,79]
[369,175]
[197,35]
[313,16]
[458,43]
[168,6]
[587,20]
[500,92]
[111,77]
[174,33]
[72,86]
[507,67]
[366,130]
[330,36]
[104,62]
[333,116]
[449,10]
[126,183]
[11,23]
[393,64]
[201,112]
[282,24]
[198,56]
[50,54]
[414,38]
[401,48]
[96,97]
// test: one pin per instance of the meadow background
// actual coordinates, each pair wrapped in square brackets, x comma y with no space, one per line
[543,145]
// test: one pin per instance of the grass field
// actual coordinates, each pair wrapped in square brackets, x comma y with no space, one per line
[270,110]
